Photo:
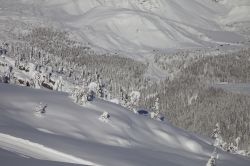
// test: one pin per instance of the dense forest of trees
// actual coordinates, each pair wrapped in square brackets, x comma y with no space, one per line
[190,101]
[120,74]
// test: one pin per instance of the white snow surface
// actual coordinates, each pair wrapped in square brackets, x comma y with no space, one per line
[69,133]
[36,150]
[239,11]
[135,26]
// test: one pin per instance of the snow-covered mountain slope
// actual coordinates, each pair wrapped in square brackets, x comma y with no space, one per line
[239,11]
[136,26]
[74,134]
[11,159]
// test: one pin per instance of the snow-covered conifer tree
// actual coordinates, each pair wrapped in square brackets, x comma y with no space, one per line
[217,135]
[156,111]
[101,87]
[211,161]
[237,141]
[41,108]
[58,84]
[104,117]
[6,77]
[36,78]
[134,99]
[232,148]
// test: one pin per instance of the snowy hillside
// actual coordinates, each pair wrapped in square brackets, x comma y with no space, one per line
[239,11]
[107,82]
[73,134]
[136,26]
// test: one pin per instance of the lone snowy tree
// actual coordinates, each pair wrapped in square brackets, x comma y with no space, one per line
[211,161]
[36,78]
[41,108]
[104,117]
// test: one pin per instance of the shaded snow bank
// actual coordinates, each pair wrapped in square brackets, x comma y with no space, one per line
[36,150]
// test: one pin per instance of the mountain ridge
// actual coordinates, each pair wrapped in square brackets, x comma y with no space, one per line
[138,27]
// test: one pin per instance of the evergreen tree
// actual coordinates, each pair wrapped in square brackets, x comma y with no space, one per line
[237,141]
[211,161]
[217,135]
[156,110]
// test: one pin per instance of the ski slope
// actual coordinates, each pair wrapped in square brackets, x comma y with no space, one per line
[134,26]
[72,134]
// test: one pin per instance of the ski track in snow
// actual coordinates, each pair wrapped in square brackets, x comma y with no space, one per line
[45,131]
